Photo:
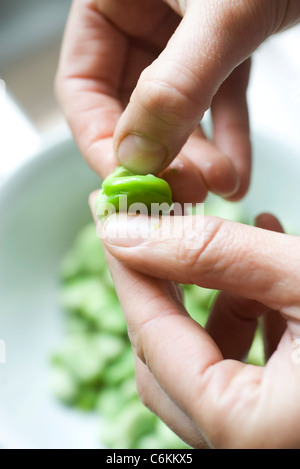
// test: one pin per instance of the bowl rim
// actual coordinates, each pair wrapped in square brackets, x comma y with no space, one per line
[38,156]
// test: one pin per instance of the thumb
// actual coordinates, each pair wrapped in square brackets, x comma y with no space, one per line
[174,92]
[211,252]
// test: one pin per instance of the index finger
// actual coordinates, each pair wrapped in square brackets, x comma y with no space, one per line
[87,80]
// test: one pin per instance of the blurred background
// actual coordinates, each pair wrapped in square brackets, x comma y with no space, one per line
[30,38]
[33,128]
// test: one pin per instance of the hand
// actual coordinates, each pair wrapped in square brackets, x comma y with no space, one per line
[196,379]
[175,59]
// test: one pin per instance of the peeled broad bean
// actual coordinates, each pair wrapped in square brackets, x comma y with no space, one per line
[123,189]
[133,422]
[121,369]
[63,385]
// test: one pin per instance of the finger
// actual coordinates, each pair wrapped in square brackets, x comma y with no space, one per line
[88,77]
[218,395]
[186,181]
[165,339]
[200,167]
[214,253]
[155,398]
[233,320]
[185,361]
[273,323]
[232,324]
[269,222]
[173,93]
[231,125]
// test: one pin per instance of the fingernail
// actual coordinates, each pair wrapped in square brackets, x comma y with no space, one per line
[129,231]
[141,154]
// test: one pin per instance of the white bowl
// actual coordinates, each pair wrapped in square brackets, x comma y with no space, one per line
[42,206]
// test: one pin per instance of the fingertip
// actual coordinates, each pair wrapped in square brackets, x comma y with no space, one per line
[222,177]
[240,190]
[218,173]
[268,221]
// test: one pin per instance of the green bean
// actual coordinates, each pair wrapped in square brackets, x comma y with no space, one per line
[133,422]
[112,399]
[86,257]
[122,190]
[89,298]
[256,352]
[110,402]
[63,385]
[87,355]
[120,370]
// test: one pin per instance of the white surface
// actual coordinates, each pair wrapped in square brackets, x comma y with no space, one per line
[42,206]
[274,91]
[18,137]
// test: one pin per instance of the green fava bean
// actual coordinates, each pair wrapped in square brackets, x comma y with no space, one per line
[122,190]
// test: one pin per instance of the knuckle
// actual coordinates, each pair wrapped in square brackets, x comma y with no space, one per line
[197,248]
[135,333]
[163,101]
[143,391]
[169,99]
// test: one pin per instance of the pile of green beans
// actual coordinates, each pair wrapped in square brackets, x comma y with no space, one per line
[92,369]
